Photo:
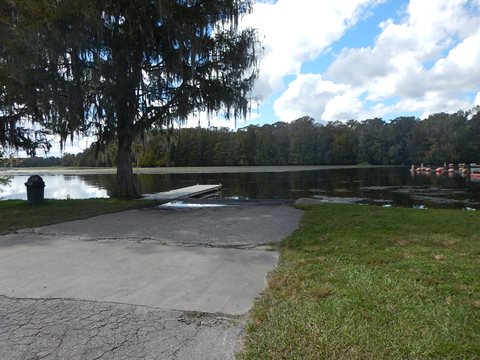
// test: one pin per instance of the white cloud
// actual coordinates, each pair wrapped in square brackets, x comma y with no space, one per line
[310,95]
[460,68]
[346,106]
[477,99]
[296,31]
[426,63]
[359,66]
[203,119]
[76,146]
[432,102]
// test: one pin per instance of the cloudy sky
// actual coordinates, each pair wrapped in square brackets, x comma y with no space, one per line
[358,59]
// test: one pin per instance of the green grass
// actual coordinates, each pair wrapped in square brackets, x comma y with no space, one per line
[364,282]
[18,214]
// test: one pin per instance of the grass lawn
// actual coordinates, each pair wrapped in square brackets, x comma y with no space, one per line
[18,214]
[365,282]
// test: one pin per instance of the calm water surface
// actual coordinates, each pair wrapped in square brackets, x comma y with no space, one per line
[390,185]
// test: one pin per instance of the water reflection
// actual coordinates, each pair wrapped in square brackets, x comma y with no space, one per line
[56,187]
[392,184]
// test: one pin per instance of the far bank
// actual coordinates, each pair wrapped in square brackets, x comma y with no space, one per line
[176,170]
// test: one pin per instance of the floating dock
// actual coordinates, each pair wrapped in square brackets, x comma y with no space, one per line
[183,193]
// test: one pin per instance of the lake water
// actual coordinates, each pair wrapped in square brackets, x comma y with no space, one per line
[388,185]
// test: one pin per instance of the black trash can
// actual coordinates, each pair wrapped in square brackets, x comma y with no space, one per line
[35,189]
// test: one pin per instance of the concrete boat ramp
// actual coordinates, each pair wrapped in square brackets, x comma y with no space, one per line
[183,193]
[155,283]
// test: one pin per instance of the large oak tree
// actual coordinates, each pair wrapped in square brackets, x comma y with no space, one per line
[116,68]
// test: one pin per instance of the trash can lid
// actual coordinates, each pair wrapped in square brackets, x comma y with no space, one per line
[35,180]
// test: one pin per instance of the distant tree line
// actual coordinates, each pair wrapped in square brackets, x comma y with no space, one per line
[405,140]
[34,161]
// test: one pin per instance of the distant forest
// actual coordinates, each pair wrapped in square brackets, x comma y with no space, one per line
[437,139]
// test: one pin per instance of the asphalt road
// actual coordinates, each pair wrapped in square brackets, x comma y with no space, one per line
[141,284]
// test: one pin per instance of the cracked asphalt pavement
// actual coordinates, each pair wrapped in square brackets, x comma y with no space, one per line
[142,284]
[72,329]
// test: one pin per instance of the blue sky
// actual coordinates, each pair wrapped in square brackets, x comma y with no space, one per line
[359,59]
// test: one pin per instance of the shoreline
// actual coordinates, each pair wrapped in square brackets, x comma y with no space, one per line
[178,170]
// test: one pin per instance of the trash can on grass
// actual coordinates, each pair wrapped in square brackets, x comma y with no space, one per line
[35,189]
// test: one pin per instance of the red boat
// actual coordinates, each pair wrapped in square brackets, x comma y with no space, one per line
[474,171]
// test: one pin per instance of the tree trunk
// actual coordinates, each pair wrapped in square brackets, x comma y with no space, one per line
[125,185]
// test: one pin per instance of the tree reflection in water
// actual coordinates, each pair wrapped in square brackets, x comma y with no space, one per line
[395,184]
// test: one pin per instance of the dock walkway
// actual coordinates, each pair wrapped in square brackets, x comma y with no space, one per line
[183,193]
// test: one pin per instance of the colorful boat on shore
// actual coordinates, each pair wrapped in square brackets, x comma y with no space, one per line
[474,172]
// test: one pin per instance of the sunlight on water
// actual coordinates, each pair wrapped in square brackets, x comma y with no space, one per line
[182,204]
